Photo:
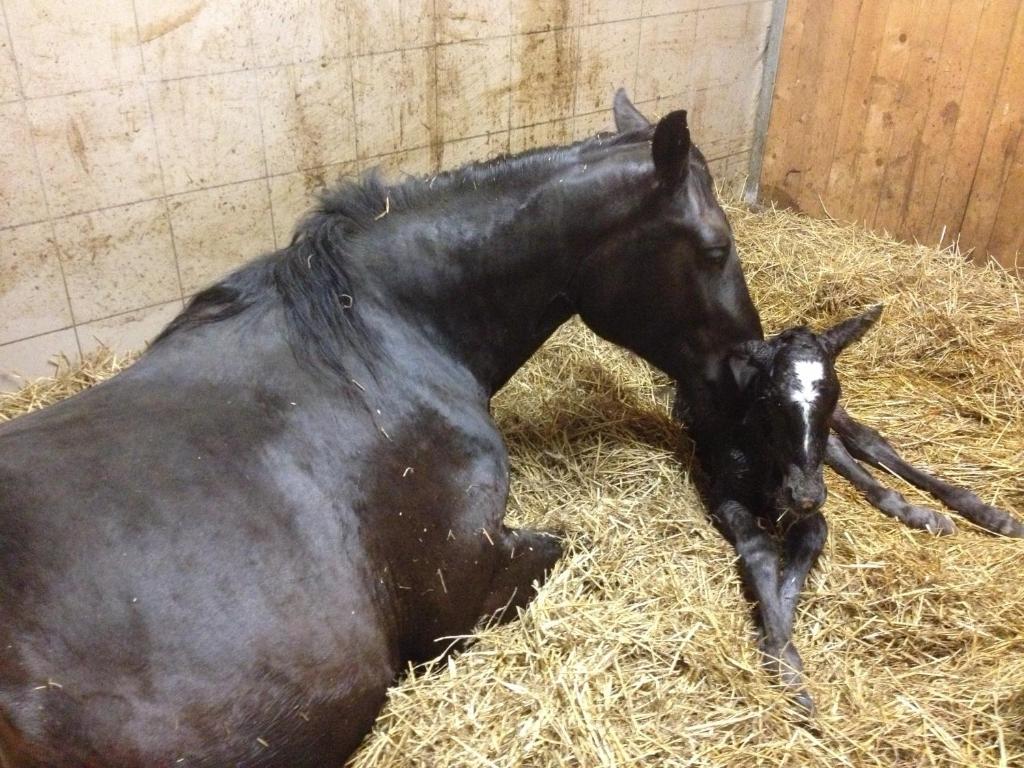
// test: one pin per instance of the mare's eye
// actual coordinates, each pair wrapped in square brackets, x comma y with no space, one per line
[717,253]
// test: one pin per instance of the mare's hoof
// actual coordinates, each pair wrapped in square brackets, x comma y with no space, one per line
[542,548]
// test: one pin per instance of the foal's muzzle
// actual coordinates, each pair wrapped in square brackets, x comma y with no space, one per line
[803,492]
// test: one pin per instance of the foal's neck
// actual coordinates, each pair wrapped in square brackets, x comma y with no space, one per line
[488,270]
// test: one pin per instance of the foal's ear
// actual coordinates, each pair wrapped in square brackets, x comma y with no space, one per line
[747,359]
[839,337]
[627,117]
[671,148]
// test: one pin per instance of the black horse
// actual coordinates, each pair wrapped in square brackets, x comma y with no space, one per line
[226,554]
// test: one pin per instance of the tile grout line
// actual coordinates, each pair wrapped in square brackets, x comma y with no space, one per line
[42,182]
[259,118]
[352,85]
[14,54]
[639,40]
[508,123]
[436,156]
[160,163]
[90,322]
[576,46]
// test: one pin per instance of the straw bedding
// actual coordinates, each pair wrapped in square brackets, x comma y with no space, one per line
[640,648]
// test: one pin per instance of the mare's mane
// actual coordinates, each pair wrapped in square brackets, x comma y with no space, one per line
[310,276]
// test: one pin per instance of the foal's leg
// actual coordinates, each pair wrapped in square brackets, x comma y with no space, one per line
[525,557]
[760,567]
[801,546]
[868,445]
[888,501]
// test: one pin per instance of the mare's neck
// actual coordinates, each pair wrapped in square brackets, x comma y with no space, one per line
[487,271]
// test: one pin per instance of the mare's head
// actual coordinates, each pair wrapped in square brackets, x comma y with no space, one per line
[789,389]
[668,283]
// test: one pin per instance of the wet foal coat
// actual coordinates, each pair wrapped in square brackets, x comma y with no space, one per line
[226,554]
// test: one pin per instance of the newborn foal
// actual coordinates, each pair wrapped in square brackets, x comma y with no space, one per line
[764,472]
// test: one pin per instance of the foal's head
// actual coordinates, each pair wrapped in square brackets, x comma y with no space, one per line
[789,389]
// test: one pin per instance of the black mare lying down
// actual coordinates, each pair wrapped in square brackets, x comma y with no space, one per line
[227,553]
[299,489]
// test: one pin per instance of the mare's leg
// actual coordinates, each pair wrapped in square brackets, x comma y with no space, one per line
[524,558]
[888,501]
[760,568]
[801,546]
[868,445]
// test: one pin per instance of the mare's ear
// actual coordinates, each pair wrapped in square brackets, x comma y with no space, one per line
[840,336]
[627,117]
[746,360]
[671,148]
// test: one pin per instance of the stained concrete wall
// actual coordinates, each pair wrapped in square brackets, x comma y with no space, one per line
[148,146]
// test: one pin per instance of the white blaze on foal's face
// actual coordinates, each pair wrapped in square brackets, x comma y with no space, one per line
[805,394]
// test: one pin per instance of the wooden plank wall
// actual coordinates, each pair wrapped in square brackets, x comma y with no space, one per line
[906,116]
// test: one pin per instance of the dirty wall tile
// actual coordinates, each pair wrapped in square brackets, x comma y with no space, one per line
[730,173]
[182,38]
[656,108]
[394,99]
[29,359]
[545,15]
[460,20]
[217,230]
[378,26]
[660,7]
[552,134]
[307,115]
[293,195]
[593,123]
[457,153]
[398,167]
[544,69]
[32,291]
[117,260]
[601,11]
[63,47]
[732,40]
[723,117]
[667,59]
[21,189]
[608,59]
[9,89]
[295,31]
[96,149]
[473,88]
[208,130]
[129,332]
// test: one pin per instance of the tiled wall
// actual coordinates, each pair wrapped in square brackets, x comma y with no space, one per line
[148,146]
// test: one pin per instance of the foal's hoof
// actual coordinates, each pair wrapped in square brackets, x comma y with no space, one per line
[929,520]
[804,701]
[786,665]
